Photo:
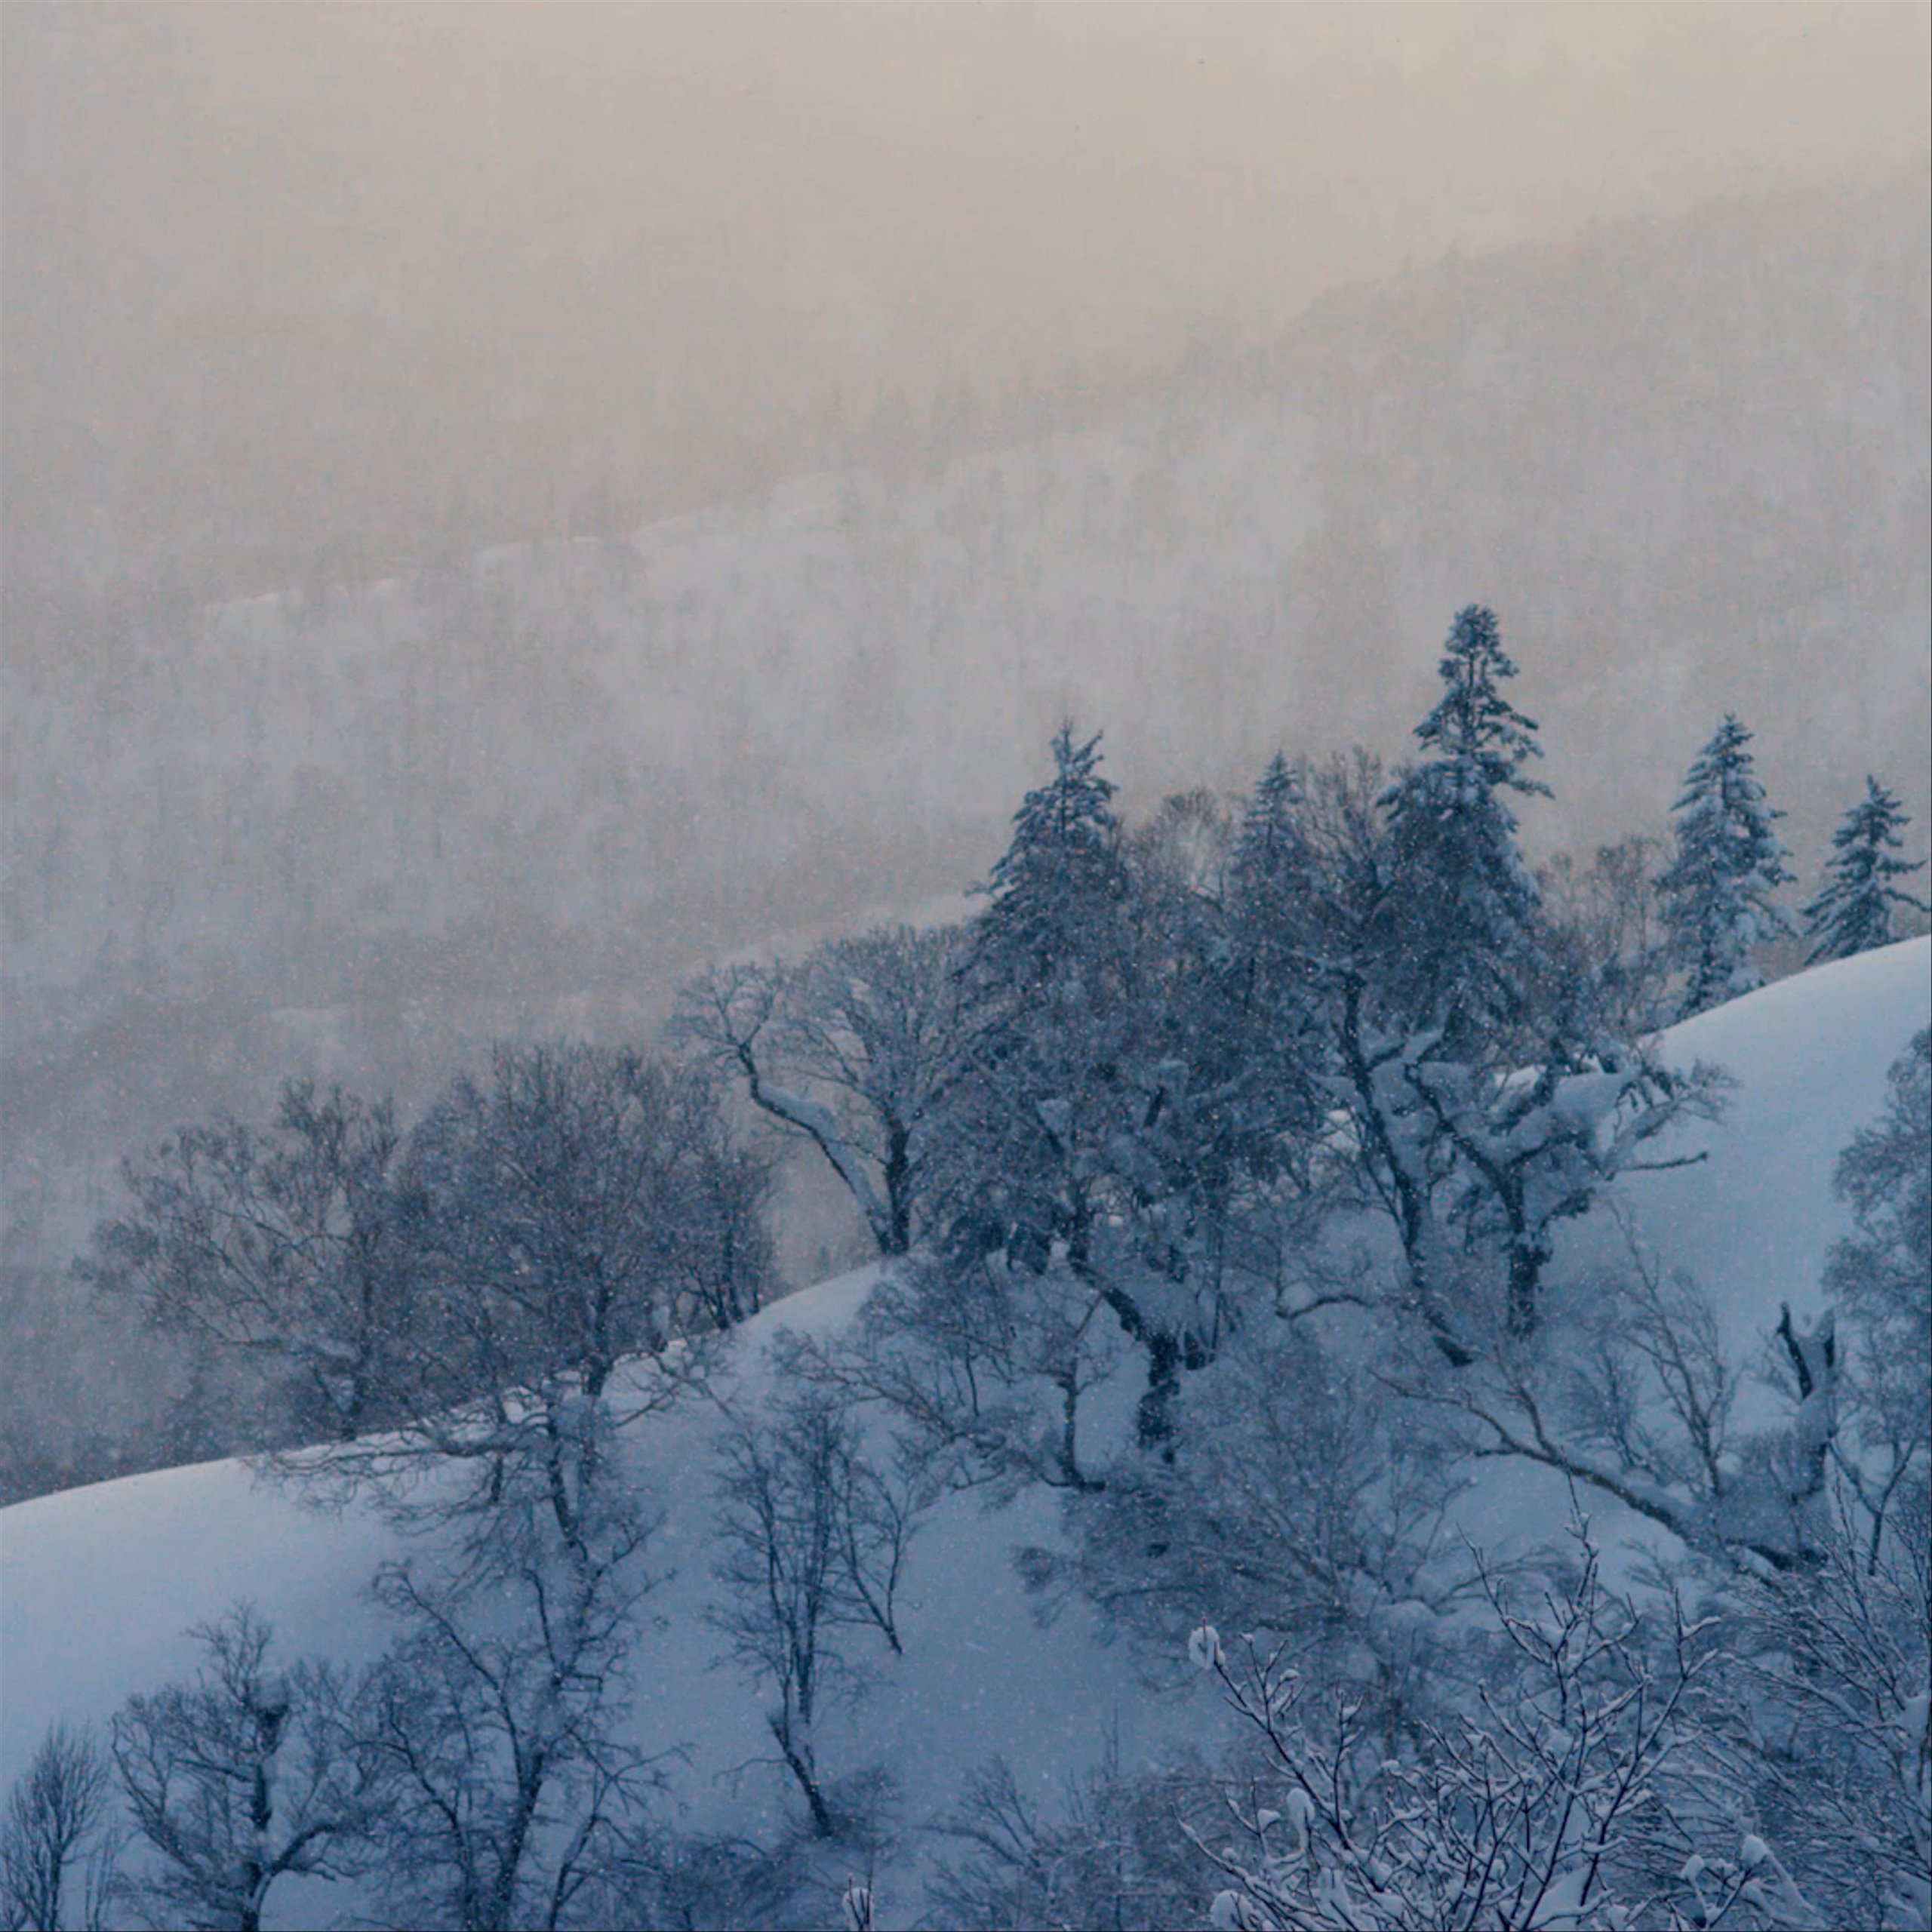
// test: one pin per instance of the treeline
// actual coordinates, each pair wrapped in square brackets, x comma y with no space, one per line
[1265,955]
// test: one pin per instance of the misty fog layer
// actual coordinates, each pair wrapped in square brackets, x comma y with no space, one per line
[1686,461]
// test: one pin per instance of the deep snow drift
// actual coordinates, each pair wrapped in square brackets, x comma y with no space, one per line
[98,1585]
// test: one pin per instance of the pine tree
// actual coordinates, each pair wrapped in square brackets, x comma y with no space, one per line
[1473,726]
[1044,980]
[1268,846]
[1457,931]
[1717,890]
[1258,992]
[1268,879]
[1854,909]
[1076,1098]
[1062,882]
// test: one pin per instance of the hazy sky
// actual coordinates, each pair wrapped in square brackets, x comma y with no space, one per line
[259,257]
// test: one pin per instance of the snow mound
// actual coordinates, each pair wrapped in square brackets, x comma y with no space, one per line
[1754,1221]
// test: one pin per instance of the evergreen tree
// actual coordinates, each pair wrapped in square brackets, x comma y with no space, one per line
[1717,890]
[1473,726]
[1269,849]
[1269,881]
[1260,995]
[1456,929]
[1094,1120]
[1853,911]
[1047,1019]
[1059,887]
[1050,1019]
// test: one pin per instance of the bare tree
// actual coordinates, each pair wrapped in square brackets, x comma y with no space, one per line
[56,1859]
[1830,1722]
[690,1882]
[492,1729]
[1826,1715]
[987,1365]
[240,1779]
[1880,1280]
[723,1265]
[1303,1502]
[1548,1805]
[1606,924]
[1105,1855]
[286,1245]
[1477,1158]
[815,1541]
[565,1191]
[854,1050]
[1632,1393]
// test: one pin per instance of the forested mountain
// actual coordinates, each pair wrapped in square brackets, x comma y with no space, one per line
[1293,1218]
[965,967]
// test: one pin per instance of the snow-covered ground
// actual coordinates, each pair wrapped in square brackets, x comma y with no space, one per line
[1751,1223]
[98,1586]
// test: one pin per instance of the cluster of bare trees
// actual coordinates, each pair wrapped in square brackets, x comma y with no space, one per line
[468,1315]
[578,1205]
[471,1777]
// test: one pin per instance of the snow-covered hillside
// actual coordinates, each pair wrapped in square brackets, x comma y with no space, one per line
[99,1585]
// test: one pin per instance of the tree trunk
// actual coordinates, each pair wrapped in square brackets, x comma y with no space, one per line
[823,1824]
[1154,1421]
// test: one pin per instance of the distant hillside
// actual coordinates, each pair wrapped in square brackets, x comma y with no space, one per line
[364,826]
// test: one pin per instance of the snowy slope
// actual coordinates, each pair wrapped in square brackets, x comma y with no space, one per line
[97,1586]
[1811,1054]
[100,1585]
[1752,1223]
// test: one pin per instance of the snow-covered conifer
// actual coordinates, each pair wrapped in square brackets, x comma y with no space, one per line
[1061,878]
[1857,905]
[1717,890]
[1046,968]
[1107,1108]
[1271,879]
[1459,907]
[1472,723]
[1448,990]
[1269,847]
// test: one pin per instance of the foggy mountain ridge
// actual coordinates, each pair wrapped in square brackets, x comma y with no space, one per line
[305,292]
[855,861]
[362,828]
[1714,466]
